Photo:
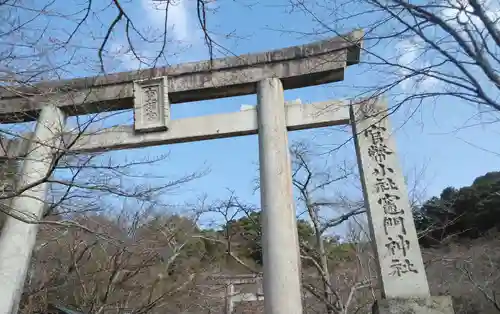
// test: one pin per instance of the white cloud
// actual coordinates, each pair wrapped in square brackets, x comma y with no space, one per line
[182,28]
[459,12]
[411,58]
[179,22]
[415,54]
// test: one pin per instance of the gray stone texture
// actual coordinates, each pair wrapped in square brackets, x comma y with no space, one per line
[298,117]
[401,268]
[18,237]
[280,244]
[299,66]
[431,305]
[151,105]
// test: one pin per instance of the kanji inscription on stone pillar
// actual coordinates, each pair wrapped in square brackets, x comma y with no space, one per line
[151,105]
[390,217]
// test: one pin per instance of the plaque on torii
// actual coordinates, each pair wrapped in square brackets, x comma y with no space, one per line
[151,105]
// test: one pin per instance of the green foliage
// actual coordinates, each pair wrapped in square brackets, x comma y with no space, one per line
[340,252]
[468,212]
[245,236]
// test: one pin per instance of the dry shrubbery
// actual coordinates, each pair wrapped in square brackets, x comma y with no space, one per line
[148,266]
[468,271]
[159,266]
[167,263]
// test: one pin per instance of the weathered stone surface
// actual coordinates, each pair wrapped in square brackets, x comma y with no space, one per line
[18,237]
[299,66]
[392,228]
[151,105]
[280,244]
[298,117]
[432,305]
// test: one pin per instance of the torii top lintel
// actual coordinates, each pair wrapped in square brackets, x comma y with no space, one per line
[299,66]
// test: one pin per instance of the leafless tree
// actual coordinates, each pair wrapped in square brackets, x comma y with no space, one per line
[152,265]
[227,235]
[419,50]
[466,270]
[101,252]
[79,184]
[326,210]
[33,51]
[28,34]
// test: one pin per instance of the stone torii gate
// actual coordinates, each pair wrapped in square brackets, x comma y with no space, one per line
[151,92]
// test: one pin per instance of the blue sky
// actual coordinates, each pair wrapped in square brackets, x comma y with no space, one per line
[446,137]
[435,137]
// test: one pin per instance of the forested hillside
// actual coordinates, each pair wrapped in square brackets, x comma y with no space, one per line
[166,263]
[461,213]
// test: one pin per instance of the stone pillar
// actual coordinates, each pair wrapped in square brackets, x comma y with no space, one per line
[18,238]
[394,236]
[229,302]
[279,227]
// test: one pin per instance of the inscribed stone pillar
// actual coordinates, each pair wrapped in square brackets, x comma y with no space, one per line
[401,268]
[391,222]
[18,237]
